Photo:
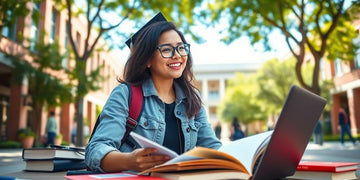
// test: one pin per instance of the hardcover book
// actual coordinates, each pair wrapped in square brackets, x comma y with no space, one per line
[226,158]
[54,165]
[324,175]
[327,166]
[53,153]
[204,174]
[111,176]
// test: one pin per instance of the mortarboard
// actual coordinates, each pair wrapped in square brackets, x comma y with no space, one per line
[157,18]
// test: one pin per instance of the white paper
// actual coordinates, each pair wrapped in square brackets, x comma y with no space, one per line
[147,143]
[246,148]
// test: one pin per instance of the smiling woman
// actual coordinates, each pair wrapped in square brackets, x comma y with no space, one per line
[172,113]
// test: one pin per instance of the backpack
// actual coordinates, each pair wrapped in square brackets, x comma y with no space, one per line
[135,110]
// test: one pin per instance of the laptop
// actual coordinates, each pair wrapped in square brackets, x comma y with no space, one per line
[292,132]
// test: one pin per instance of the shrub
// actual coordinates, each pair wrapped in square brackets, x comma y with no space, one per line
[9,144]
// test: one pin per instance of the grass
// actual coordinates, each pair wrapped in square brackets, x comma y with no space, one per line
[336,137]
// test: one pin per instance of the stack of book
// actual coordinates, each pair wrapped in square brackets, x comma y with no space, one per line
[54,159]
[316,170]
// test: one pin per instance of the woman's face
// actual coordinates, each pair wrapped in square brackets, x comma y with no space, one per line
[168,67]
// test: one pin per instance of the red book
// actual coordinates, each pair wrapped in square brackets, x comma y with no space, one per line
[327,166]
[111,176]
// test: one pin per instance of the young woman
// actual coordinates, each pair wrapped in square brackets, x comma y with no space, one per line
[172,115]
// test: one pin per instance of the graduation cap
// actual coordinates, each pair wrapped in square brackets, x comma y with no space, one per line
[157,18]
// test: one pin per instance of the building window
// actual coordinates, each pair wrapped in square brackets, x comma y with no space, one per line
[357,55]
[357,60]
[53,26]
[338,67]
[34,28]
[64,62]
[10,30]
[322,69]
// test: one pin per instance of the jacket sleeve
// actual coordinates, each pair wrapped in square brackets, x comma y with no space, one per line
[110,130]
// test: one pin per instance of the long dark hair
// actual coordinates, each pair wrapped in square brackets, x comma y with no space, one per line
[136,71]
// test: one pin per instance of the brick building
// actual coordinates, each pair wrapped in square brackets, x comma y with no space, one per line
[14,112]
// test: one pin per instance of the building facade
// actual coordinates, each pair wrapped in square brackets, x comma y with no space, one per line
[14,107]
[346,91]
[211,80]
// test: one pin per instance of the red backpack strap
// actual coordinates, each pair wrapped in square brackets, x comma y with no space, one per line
[135,109]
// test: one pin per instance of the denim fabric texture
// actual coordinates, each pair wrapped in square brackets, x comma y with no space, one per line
[197,130]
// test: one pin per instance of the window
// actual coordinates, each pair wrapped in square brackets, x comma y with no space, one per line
[34,28]
[64,62]
[357,55]
[53,26]
[10,30]
[322,69]
[338,68]
[357,60]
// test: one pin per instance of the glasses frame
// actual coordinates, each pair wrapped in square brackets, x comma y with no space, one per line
[173,49]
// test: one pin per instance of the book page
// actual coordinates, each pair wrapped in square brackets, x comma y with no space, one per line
[246,149]
[147,143]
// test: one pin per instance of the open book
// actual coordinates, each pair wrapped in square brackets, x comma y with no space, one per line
[238,156]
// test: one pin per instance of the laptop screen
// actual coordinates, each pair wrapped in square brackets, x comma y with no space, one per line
[292,132]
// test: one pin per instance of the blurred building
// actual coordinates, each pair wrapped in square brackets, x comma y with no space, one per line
[14,99]
[211,80]
[346,77]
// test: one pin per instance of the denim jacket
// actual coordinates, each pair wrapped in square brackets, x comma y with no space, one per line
[197,130]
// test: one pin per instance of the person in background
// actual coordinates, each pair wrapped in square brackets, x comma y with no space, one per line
[172,114]
[344,123]
[73,133]
[318,136]
[218,130]
[236,130]
[51,126]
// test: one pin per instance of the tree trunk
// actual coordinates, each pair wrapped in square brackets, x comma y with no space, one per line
[80,121]
[35,121]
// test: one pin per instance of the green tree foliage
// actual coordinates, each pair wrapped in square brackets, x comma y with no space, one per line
[240,101]
[321,28]
[274,80]
[44,88]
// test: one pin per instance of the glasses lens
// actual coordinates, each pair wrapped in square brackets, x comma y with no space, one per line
[183,49]
[166,51]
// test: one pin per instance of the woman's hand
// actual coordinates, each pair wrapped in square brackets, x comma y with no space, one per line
[142,159]
[137,160]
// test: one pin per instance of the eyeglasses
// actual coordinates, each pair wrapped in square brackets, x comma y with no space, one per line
[167,51]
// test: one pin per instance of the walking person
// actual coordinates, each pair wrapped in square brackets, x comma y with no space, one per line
[217,130]
[344,123]
[318,136]
[172,114]
[51,126]
[236,131]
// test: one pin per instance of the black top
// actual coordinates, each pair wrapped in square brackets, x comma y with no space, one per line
[174,138]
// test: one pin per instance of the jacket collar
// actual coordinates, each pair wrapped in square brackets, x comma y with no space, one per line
[150,90]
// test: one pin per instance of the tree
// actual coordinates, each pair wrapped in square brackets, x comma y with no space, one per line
[45,89]
[321,28]
[98,26]
[273,81]
[240,101]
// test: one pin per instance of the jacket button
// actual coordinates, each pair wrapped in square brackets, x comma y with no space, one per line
[178,112]
[146,123]
[188,129]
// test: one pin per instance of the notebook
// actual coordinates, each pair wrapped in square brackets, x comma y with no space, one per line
[295,125]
